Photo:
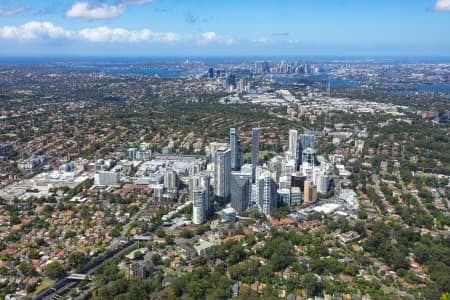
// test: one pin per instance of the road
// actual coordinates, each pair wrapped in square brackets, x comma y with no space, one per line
[116,241]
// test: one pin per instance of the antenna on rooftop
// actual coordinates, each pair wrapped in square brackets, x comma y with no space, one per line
[327,118]
[329,88]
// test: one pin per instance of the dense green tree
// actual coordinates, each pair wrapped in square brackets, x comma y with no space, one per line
[77,259]
[54,270]
[27,269]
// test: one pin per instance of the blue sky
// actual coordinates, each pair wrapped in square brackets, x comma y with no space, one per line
[225,27]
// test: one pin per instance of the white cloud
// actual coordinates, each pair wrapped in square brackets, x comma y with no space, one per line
[106,34]
[45,30]
[209,36]
[12,12]
[85,10]
[34,30]
[442,5]
[212,37]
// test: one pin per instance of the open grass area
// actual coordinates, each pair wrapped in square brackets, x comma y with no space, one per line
[44,284]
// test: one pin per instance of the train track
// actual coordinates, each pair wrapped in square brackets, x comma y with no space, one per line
[58,294]
[65,285]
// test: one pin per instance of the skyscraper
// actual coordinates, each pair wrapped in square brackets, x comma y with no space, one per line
[285,196]
[199,195]
[308,163]
[213,149]
[231,81]
[211,72]
[293,142]
[296,196]
[234,145]
[310,192]
[222,173]
[241,188]
[131,154]
[288,168]
[170,179]
[255,151]
[305,141]
[307,192]
[322,182]
[157,192]
[267,192]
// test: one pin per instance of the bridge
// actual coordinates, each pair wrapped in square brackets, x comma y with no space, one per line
[142,238]
[75,276]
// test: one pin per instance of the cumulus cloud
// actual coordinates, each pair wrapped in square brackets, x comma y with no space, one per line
[103,34]
[90,11]
[12,12]
[34,30]
[106,34]
[209,36]
[442,5]
[85,10]
[212,37]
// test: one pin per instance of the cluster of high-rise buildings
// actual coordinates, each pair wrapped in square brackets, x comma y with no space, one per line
[293,178]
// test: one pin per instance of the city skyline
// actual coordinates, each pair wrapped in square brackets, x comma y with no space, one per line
[189,28]
[224,179]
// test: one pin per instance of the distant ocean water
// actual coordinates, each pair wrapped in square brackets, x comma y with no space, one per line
[164,67]
[433,87]
[437,87]
[230,58]
[108,65]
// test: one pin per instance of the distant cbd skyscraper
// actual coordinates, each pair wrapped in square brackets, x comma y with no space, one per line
[231,81]
[234,145]
[211,72]
[222,173]
[293,142]
[255,151]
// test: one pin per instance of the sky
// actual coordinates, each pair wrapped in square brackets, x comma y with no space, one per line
[359,28]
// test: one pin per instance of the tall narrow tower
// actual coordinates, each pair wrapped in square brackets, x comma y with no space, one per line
[222,174]
[199,195]
[293,142]
[234,145]
[255,151]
